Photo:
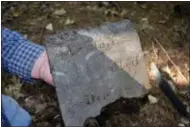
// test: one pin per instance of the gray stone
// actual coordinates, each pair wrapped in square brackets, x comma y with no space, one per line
[93,67]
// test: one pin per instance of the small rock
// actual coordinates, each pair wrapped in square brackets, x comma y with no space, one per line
[49,27]
[185,121]
[188,109]
[181,125]
[152,99]
[179,79]
[60,12]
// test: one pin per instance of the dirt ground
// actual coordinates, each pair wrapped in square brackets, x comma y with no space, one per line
[157,23]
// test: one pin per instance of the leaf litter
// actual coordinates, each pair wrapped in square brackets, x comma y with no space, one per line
[171,31]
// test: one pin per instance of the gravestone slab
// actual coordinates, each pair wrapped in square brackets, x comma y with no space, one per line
[93,67]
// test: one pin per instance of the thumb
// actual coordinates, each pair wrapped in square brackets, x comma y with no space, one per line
[41,69]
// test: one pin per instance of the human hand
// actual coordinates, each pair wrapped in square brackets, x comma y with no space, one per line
[41,69]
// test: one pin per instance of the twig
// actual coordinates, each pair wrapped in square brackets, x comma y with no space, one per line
[44,28]
[155,53]
[172,62]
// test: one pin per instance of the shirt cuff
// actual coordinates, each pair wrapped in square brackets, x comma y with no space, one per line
[36,51]
[24,59]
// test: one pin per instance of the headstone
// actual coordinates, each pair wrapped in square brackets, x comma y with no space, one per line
[93,67]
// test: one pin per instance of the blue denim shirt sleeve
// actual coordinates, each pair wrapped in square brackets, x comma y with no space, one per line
[18,54]
[12,115]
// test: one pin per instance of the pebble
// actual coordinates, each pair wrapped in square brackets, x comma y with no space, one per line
[49,27]
[152,99]
[185,121]
[181,125]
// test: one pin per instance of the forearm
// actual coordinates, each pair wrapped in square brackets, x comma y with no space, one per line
[18,54]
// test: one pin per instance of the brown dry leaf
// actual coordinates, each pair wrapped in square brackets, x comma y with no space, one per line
[145,24]
[69,21]
[16,13]
[14,89]
[167,70]
[60,12]
[180,80]
[40,107]
[177,77]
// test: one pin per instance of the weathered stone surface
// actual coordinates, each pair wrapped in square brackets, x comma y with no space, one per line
[94,67]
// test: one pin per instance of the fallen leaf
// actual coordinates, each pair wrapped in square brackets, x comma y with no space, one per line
[124,12]
[60,12]
[15,14]
[144,6]
[14,88]
[145,24]
[167,70]
[49,27]
[69,21]
[144,20]
[179,79]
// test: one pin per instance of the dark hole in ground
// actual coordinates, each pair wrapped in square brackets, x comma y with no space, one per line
[121,106]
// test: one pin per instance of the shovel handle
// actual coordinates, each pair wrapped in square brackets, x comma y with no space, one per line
[178,105]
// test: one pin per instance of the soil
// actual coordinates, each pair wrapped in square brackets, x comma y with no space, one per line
[168,22]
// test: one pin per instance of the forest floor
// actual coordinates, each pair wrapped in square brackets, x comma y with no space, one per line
[159,24]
